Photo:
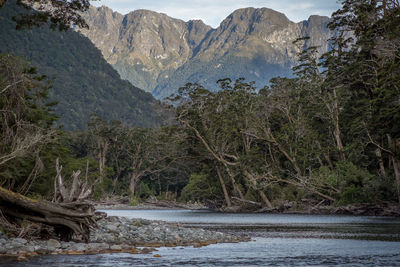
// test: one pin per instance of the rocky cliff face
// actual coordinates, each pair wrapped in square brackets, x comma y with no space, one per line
[160,54]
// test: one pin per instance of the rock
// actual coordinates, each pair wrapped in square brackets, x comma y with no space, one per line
[78,247]
[177,238]
[3,235]
[53,244]
[118,234]
[65,245]
[144,222]
[98,246]
[116,247]
[20,240]
[29,248]
[42,251]
[112,227]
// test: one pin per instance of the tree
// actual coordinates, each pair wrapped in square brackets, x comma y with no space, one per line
[372,78]
[62,14]
[217,121]
[26,121]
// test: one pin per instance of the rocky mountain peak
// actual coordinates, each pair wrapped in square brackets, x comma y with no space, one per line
[258,15]
[159,53]
[197,30]
[248,30]
[103,29]
[316,27]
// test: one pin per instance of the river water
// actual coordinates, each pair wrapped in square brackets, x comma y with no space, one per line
[277,240]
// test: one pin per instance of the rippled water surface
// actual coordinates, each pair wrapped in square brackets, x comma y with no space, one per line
[277,240]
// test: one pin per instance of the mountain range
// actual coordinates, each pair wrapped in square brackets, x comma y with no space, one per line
[160,54]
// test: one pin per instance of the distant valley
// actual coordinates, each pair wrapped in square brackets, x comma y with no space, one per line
[160,54]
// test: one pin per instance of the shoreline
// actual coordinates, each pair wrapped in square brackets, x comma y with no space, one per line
[140,236]
[118,235]
[360,209]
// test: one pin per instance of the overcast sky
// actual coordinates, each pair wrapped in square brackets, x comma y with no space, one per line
[212,12]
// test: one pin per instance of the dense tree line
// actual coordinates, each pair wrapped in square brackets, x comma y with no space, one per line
[329,135]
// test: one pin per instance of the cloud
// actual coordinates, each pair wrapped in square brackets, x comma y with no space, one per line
[212,12]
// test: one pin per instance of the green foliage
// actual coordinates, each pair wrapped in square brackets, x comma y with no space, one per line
[199,188]
[355,185]
[331,133]
[144,190]
[133,201]
[84,83]
[25,128]
[63,13]
[354,194]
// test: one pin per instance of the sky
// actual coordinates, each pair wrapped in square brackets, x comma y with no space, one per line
[212,12]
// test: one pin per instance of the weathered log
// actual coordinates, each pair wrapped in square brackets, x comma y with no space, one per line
[370,209]
[248,202]
[79,190]
[67,218]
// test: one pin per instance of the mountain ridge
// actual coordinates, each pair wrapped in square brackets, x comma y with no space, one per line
[160,54]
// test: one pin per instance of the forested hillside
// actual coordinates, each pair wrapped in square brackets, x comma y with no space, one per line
[84,83]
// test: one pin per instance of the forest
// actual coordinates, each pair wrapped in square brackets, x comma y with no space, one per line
[82,81]
[330,135]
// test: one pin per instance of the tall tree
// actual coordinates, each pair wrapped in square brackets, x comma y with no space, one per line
[372,77]
[26,121]
[60,13]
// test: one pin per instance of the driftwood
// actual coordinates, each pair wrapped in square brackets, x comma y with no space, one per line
[248,201]
[66,218]
[373,209]
[68,214]
[79,190]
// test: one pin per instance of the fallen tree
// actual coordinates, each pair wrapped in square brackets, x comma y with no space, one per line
[68,214]
[66,218]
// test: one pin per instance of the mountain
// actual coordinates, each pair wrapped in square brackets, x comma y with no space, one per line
[161,54]
[83,82]
[143,45]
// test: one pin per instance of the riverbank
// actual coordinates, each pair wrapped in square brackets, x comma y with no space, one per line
[359,209]
[277,240]
[152,204]
[118,235]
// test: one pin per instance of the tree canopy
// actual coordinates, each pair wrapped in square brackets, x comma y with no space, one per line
[59,13]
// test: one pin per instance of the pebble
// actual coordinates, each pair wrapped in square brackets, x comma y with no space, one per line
[117,233]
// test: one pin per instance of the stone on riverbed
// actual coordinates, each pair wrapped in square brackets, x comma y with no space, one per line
[118,234]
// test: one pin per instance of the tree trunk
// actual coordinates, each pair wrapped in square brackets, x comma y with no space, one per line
[102,153]
[221,180]
[235,186]
[260,192]
[378,153]
[396,164]
[396,167]
[67,219]
[132,184]
[337,131]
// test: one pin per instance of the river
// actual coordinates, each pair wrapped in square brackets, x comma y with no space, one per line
[277,240]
